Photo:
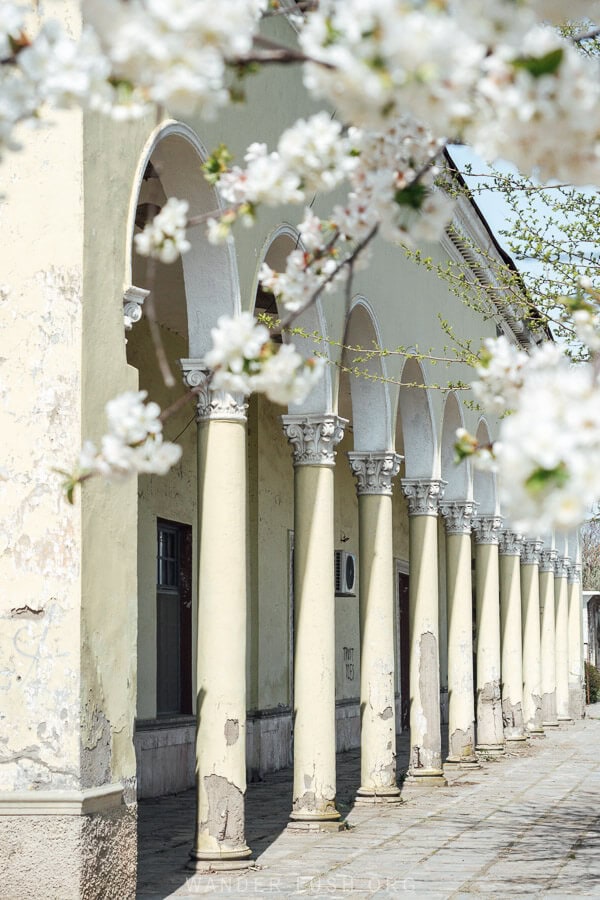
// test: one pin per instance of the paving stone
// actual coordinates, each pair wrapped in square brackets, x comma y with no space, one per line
[524,825]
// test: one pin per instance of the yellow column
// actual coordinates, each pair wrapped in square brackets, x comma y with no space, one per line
[490,734]
[374,473]
[313,439]
[511,637]
[425,764]
[221,643]
[530,608]
[461,718]
[575,643]
[548,638]
[561,597]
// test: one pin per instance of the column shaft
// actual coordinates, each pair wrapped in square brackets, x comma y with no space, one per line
[461,719]
[221,663]
[511,637]
[575,644]
[490,736]
[561,597]
[374,473]
[425,765]
[530,605]
[548,639]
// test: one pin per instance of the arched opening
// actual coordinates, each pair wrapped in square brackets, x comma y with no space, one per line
[484,483]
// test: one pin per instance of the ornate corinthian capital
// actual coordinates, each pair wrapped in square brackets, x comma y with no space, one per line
[423,495]
[530,554]
[511,543]
[314,438]
[211,404]
[459,515]
[548,560]
[487,529]
[374,472]
[562,564]
[574,576]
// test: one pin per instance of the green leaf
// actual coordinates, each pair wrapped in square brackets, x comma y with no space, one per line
[542,480]
[549,64]
[412,196]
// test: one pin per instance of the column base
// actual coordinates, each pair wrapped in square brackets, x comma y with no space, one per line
[368,797]
[491,750]
[539,733]
[315,826]
[551,725]
[236,862]
[426,778]
[565,720]
[462,762]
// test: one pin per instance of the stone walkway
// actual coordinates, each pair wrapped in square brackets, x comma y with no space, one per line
[526,825]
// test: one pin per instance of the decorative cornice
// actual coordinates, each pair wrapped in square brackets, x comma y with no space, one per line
[510,543]
[548,560]
[459,515]
[530,554]
[374,472]
[486,529]
[562,565]
[133,300]
[211,404]
[314,438]
[574,576]
[423,495]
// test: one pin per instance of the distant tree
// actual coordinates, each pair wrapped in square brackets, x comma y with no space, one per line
[590,556]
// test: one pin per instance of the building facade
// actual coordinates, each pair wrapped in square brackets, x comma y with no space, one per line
[306,580]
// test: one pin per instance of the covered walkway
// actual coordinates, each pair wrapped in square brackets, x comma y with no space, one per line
[527,824]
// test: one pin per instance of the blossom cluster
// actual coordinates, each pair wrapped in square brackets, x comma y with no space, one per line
[132,445]
[164,238]
[548,453]
[244,360]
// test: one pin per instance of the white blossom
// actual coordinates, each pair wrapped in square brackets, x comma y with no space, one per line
[164,238]
[133,443]
[12,25]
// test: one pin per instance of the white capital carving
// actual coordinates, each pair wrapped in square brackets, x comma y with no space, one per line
[211,404]
[423,495]
[133,300]
[548,560]
[511,543]
[314,438]
[574,576]
[530,554]
[487,529]
[459,515]
[374,472]
[561,566]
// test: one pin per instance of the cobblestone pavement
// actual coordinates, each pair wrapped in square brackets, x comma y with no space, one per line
[525,825]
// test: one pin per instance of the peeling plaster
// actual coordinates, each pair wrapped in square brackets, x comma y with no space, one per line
[232,731]
[225,810]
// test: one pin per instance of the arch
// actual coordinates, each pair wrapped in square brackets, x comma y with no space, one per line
[415,434]
[369,397]
[457,477]
[276,248]
[484,483]
[209,271]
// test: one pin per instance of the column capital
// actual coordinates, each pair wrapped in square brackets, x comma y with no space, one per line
[510,543]
[548,560]
[562,565]
[423,495]
[530,554]
[211,404]
[487,529]
[314,438]
[374,472]
[133,300]
[459,515]
[574,574]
